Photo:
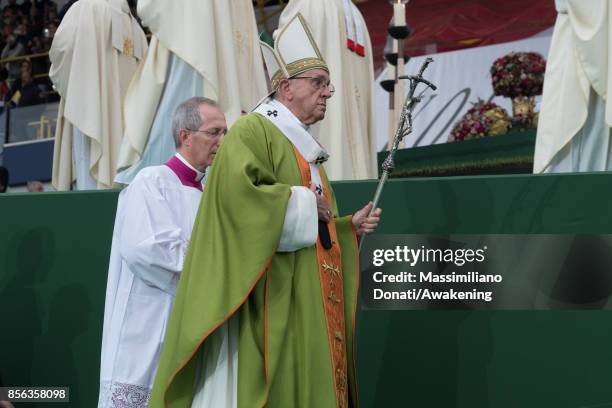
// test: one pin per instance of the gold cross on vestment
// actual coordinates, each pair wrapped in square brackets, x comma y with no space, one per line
[333,298]
[333,271]
[240,42]
[340,379]
[338,335]
[128,47]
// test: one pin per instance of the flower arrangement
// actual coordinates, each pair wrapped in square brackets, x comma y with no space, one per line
[481,120]
[518,74]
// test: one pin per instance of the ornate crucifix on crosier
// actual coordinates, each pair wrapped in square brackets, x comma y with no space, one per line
[404,128]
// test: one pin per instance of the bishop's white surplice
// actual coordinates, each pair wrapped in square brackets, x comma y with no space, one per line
[155,215]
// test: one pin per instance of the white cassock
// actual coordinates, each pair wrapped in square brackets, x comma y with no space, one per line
[215,54]
[94,54]
[155,215]
[576,113]
[348,131]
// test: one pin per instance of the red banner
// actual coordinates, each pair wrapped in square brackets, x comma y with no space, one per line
[445,25]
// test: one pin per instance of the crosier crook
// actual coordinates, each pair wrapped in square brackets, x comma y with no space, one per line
[404,128]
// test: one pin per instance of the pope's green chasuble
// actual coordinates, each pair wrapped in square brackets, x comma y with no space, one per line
[288,347]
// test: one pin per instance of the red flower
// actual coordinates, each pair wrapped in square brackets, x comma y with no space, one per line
[518,74]
[474,123]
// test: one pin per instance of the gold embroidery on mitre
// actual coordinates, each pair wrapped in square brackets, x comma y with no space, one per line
[297,67]
[276,78]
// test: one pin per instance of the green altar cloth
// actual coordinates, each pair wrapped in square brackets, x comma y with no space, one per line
[511,153]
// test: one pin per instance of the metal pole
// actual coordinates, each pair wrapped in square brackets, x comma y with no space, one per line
[7,122]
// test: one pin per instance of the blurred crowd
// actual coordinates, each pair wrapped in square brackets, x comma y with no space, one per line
[27,29]
[33,186]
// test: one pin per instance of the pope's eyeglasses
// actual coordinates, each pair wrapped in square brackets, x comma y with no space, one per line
[318,83]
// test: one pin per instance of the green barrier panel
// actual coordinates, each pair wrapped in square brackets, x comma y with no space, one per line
[494,359]
[54,250]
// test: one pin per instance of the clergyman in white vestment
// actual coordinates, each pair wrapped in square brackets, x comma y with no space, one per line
[575,125]
[94,54]
[198,48]
[155,215]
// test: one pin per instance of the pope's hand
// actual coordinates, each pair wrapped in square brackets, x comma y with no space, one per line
[364,222]
[323,207]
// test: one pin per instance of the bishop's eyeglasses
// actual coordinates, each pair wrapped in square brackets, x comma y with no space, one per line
[213,133]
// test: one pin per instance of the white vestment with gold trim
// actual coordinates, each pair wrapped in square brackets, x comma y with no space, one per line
[214,54]
[94,54]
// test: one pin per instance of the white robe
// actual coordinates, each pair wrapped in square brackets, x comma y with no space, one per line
[183,82]
[215,54]
[155,215]
[574,128]
[94,54]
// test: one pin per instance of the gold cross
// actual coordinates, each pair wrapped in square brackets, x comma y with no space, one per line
[333,298]
[340,378]
[338,335]
[333,271]
[239,40]
[128,47]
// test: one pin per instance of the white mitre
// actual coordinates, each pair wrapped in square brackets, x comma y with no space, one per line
[295,51]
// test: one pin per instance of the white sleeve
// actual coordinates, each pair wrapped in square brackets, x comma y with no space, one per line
[301,221]
[150,242]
